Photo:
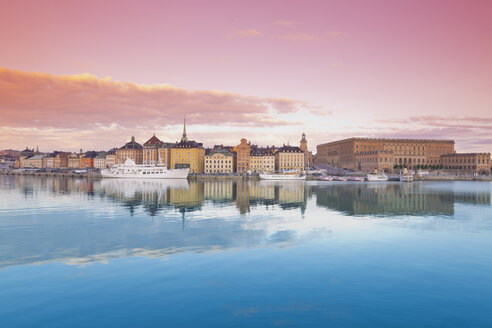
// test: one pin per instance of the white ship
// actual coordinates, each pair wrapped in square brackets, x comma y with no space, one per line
[285,175]
[377,177]
[133,171]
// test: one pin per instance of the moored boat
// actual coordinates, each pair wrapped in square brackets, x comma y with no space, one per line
[339,179]
[327,178]
[358,179]
[136,171]
[377,177]
[406,176]
[285,175]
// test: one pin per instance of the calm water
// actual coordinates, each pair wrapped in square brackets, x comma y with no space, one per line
[78,253]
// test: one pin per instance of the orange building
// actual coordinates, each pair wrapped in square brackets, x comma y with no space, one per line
[243,151]
[87,159]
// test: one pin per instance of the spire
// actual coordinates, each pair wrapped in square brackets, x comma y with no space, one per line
[184,138]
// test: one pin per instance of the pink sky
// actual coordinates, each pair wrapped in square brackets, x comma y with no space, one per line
[89,74]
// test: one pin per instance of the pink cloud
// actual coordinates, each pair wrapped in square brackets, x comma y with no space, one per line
[248,33]
[286,23]
[82,101]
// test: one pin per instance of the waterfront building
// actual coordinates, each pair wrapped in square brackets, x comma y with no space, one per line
[100,160]
[262,160]
[188,153]
[243,156]
[308,155]
[61,160]
[406,152]
[378,160]
[87,159]
[49,161]
[73,161]
[156,152]
[111,158]
[132,150]
[219,160]
[289,158]
[466,162]
[35,161]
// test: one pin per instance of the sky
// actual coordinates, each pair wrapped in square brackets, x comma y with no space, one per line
[90,74]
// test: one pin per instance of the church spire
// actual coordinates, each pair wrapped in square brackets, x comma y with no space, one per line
[184,138]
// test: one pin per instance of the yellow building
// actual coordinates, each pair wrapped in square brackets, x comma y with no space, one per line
[406,152]
[61,160]
[262,160]
[219,161]
[188,154]
[289,158]
[132,150]
[73,161]
[35,161]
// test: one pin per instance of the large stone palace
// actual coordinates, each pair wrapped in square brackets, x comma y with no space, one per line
[370,154]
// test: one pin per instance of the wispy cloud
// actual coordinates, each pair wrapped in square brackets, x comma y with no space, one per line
[337,35]
[247,33]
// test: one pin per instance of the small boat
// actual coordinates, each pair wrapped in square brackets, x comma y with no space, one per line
[285,175]
[339,179]
[137,171]
[327,178]
[406,176]
[358,179]
[377,177]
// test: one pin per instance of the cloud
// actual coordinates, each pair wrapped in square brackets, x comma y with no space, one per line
[302,37]
[85,111]
[337,35]
[286,23]
[247,33]
[82,101]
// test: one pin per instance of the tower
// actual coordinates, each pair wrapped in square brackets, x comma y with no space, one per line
[184,138]
[303,143]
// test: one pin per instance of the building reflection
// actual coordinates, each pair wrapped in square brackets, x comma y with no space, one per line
[390,199]
[82,232]
[154,196]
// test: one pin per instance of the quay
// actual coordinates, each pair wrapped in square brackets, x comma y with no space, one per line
[198,177]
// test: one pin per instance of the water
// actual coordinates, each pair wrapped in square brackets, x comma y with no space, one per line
[78,253]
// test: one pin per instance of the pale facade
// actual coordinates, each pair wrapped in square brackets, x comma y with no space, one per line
[132,150]
[219,161]
[406,152]
[100,161]
[289,158]
[262,160]
[156,152]
[35,161]
[49,162]
[466,162]
[111,158]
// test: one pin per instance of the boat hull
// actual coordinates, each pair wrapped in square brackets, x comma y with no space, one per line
[284,177]
[164,174]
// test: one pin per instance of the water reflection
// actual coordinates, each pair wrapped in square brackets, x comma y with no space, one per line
[79,221]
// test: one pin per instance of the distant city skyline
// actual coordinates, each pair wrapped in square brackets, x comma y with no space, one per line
[92,74]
